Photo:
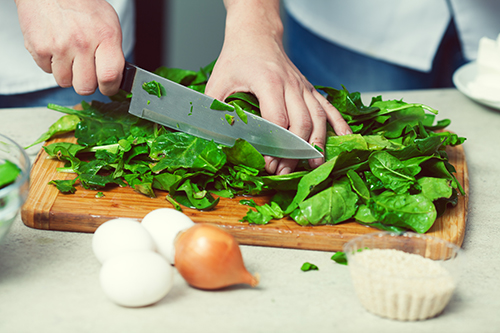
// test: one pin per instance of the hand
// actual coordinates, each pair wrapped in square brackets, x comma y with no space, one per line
[79,42]
[253,60]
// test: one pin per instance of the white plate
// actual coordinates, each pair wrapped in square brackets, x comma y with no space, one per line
[466,74]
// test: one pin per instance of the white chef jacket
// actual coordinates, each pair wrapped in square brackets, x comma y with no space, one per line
[19,73]
[403,32]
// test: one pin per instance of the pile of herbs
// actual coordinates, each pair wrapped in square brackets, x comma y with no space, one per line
[392,173]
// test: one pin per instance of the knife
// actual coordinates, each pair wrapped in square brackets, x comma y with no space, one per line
[189,111]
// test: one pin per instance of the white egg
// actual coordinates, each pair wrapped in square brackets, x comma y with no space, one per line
[119,236]
[136,278]
[164,224]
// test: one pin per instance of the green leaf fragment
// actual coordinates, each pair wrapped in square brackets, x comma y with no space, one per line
[339,257]
[154,88]
[8,173]
[229,119]
[65,124]
[239,111]
[220,106]
[307,266]
[65,186]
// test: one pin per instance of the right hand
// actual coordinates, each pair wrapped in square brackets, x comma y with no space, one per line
[79,42]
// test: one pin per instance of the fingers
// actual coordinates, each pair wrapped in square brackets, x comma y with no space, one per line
[317,136]
[300,123]
[272,107]
[61,68]
[334,117]
[42,57]
[84,75]
[307,114]
[109,63]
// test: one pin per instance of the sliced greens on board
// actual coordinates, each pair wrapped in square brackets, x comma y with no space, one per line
[392,173]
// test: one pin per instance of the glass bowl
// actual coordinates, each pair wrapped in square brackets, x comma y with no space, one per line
[406,276]
[13,195]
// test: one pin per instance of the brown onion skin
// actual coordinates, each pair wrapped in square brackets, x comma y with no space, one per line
[209,258]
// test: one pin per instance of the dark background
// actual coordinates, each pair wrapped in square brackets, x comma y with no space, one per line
[150,35]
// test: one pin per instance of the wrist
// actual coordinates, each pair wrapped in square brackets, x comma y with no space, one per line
[257,18]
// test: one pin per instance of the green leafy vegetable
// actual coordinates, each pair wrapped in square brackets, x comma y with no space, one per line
[220,106]
[340,258]
[8,173]
[65,124]
[392,173]
[241,113]
[65,186]
[307,266]
[229,119]
[154,88]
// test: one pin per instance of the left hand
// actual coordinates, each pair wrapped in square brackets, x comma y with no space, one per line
[253,60]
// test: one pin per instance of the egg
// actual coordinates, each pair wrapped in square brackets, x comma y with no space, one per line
[119,236]
[164,225]
[136,279]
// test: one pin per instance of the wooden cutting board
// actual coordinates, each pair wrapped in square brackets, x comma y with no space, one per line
[47,208]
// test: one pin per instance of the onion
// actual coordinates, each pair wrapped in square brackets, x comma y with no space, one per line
[208,257]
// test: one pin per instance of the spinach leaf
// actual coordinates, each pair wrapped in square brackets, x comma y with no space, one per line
[263,214]
[244,153]
[8,173]
[180,150]
[309,182]
[154,88]
[340,258]
[65,124]
[358,185]
[65,186]
[346,143]
[394,174]
[218,105]
[307,266]
[415,212]
[435,188]
[241,113]
[229,119]
[199,199]
[330,206]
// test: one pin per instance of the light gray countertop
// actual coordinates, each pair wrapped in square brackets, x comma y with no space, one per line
[49,279]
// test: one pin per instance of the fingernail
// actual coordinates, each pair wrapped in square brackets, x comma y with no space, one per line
[316,162]
[285,171]
[273,165]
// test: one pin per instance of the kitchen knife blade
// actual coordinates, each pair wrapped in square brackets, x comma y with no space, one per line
[189,111]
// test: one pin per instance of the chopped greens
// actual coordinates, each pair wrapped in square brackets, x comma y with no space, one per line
[241,113]
[154,88]
[392,173]
[229,119]
[8,173]
[340,258]
[220,106]
[307,266]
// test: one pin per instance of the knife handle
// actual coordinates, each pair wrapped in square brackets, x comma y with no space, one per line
[128,77]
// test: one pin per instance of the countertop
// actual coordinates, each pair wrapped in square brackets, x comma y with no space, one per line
[49,280]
